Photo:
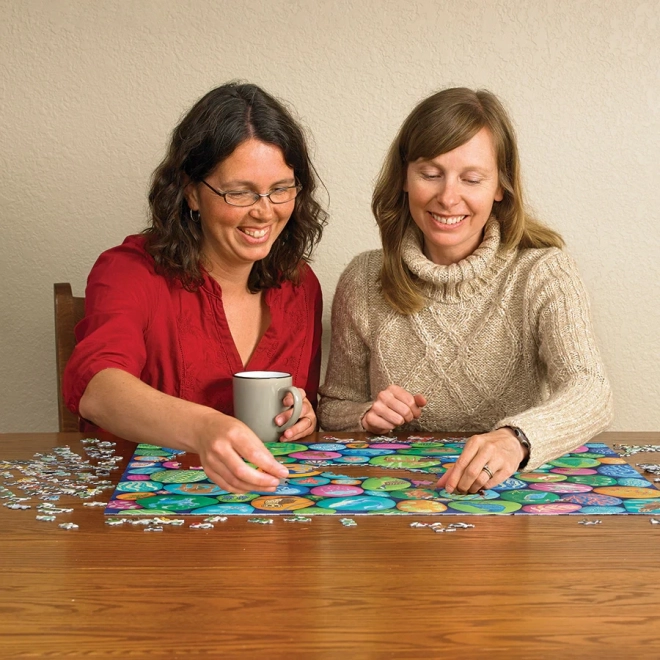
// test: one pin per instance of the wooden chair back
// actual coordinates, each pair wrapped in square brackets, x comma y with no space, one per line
[68,311]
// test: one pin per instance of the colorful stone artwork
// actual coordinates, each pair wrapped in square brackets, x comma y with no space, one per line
[593,479]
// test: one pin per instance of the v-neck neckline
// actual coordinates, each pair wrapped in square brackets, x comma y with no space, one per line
[263,349]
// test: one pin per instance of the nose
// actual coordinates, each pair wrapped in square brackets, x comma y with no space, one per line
[263,209]
[448,194]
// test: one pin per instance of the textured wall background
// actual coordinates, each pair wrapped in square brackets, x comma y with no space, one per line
[89,91]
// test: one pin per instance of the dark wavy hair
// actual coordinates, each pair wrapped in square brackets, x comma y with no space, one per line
[209,133]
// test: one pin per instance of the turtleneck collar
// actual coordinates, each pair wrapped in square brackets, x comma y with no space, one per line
[463,279]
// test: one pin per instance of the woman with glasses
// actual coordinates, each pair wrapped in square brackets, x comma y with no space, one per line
[217,284]
[471,317]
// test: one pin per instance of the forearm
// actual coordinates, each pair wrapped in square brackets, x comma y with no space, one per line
[579,402]
[341,414]
[345,395]
[122,404]
[569,418]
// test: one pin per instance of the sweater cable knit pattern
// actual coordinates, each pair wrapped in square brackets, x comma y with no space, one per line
[505,339]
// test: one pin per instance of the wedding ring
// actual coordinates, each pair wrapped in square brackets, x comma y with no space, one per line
[486,469]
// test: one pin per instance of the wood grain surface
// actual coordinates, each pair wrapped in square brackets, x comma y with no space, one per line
[512,587]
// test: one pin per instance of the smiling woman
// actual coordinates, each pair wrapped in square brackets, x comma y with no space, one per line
[471,317]
[241,225]
[450,197]
[218,283]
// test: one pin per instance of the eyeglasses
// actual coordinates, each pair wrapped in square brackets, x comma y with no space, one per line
[248,198]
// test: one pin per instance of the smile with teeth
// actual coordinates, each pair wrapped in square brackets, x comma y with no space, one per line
[447,220]
[254,233]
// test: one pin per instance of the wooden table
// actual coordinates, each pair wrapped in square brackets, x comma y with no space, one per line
[512,587]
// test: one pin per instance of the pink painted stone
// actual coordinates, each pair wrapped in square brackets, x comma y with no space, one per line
[580,450]
[336,490]
[123,504]
[574,472]
[552,508]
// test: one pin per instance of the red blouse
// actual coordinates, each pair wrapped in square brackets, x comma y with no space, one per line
[179,342]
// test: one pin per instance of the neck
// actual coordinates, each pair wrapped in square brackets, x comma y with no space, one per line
[448,256]
[232,279]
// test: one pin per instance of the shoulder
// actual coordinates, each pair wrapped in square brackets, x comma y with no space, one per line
[128,268]
[364,269]
[130,254]
[309,285]
[357,291]
[543,264]
[308,279]
[305,294]
[551,275]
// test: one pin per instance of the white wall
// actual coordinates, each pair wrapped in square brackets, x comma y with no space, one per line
[90,89]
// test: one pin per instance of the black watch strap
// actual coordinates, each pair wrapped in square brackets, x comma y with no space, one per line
[522,439]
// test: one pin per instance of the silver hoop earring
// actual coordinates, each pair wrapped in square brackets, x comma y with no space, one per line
[193,219]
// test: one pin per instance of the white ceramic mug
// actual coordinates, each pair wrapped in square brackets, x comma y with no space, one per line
[258,400]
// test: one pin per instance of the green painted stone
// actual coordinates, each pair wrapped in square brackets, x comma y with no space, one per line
[541,477]
[237,497]
[524,496]
[178,476]
[593,480]
[176,502]
[156,451]
[385,483]
[395,461]
[575,462]
[430,451]
[500,507]
[280,448]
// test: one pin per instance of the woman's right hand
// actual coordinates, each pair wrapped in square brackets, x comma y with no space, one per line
[222,444]
[393,407]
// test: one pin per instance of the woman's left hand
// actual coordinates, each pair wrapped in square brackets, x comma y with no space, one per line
[305,426]
[487,460]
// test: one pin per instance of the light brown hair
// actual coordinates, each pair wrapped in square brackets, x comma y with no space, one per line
[440,123]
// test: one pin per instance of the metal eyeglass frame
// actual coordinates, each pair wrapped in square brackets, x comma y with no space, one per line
[256,196]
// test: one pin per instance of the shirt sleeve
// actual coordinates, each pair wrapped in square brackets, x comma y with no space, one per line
[579,401]
[314,370]
[345,394]
[120,298]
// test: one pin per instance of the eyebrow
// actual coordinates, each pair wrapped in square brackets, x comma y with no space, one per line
[236,182]
[468,168]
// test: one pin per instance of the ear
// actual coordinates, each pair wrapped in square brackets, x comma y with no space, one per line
[191,194]
[499,194]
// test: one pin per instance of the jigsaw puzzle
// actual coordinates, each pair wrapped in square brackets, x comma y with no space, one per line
[593,479]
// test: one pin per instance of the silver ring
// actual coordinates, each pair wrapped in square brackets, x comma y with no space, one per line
[486,469]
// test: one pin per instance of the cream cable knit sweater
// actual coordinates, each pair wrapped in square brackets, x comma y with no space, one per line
[505,340]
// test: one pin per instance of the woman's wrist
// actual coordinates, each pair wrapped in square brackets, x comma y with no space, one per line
[523,442]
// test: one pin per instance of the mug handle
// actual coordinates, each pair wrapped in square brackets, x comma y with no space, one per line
[297,406]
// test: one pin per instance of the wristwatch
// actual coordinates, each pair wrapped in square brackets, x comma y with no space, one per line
[522,439]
